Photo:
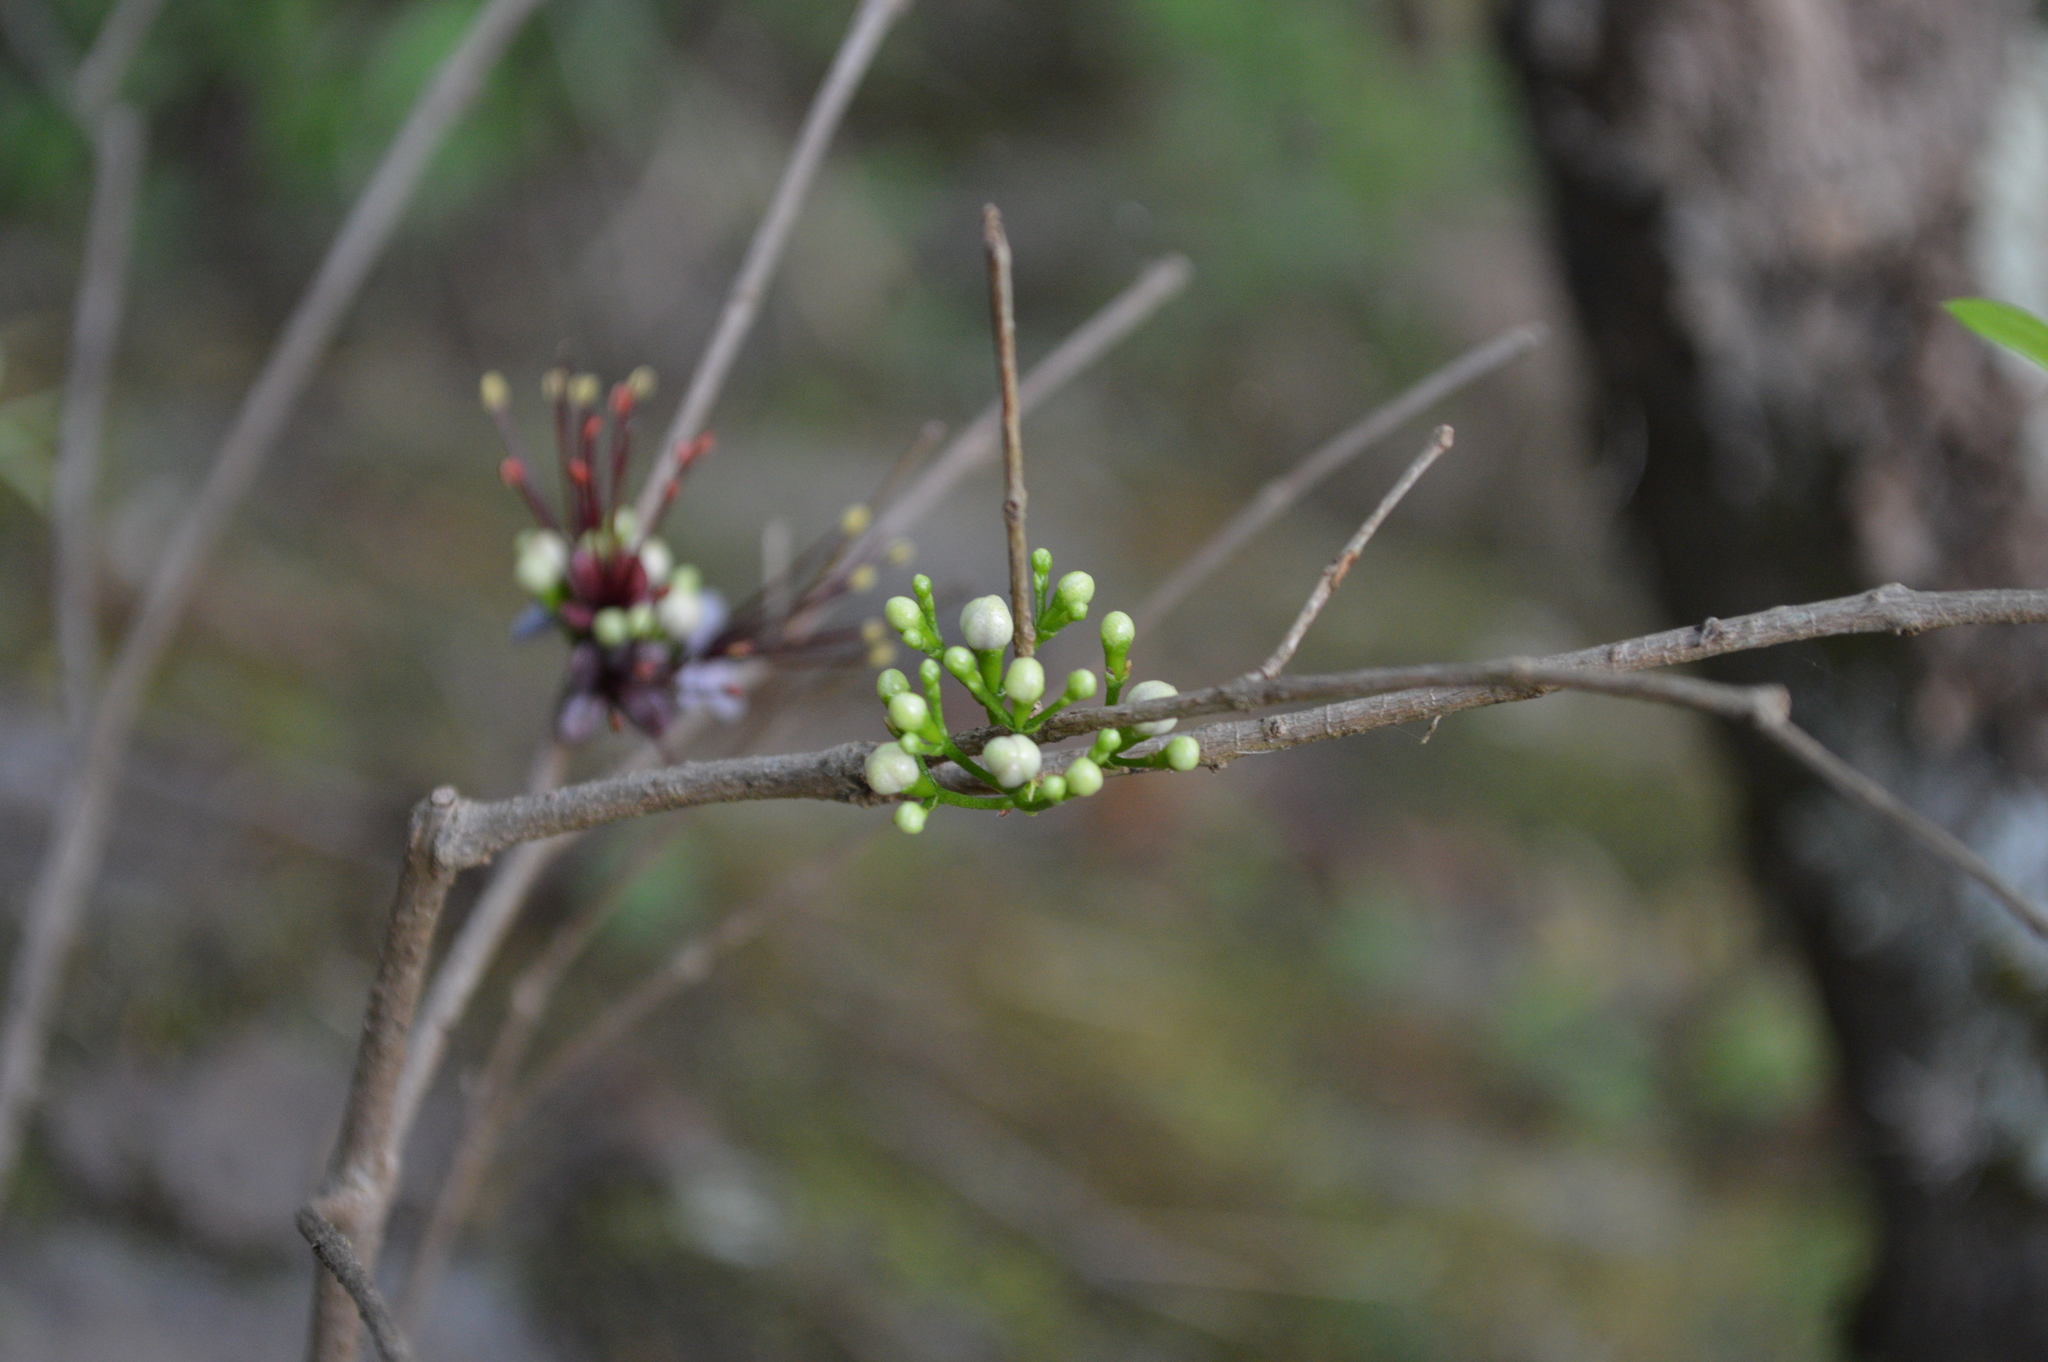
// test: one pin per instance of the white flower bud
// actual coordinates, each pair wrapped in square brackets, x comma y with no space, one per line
[902,614]
[611,627]
[1012,759]
[891,770]
[1025,681]
[626,524]
[542,562]
[1074,592]
[910,818]
[1084,777]
[657,560]
[891,683]
[1152,690]
[1183,753]
[641,621]
[986,623]
[680,611]
[908,711]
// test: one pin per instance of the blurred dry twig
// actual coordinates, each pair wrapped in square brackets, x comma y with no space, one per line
[1282,492]
[1333,575]
[871,23]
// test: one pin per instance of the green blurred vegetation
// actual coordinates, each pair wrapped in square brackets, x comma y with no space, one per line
[1387,1050]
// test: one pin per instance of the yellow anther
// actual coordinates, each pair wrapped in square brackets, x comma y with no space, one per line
[553,384]
[881,655]
[854,519]
[901,552]
[641,382]
[495,394]
[873,631]
[583,390]
[862,578]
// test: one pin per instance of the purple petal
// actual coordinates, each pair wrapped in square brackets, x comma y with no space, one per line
[581,715]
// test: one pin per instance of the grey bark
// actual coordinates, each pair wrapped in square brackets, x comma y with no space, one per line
[1759,206]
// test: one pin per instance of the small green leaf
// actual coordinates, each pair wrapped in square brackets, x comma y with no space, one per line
[2003,324]
[28,446]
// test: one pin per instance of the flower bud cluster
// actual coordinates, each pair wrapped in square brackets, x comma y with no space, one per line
[1017,698]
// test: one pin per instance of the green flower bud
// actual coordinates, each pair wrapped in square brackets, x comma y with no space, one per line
[1084,777]
[889,683]
[910,818]
[611,627]
[1118,632]
[986,623]
[1041,561]
[1012,759]
[928,672]
[903,615]
[909,712]
[891,770]
[1152,690]
[1183,753]
[916,746]
[961,663]
[626,524]
[1053,789]
[1080,684]
[641,621]
[541,562]
[1106,745]
[1025,681]
[1074,592]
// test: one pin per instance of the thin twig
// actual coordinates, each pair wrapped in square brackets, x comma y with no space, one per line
[117,148]
[1858,788]
[484,1108]
[77,840]
[871,23]
[1282,492]
[1333,575]
[97,84]
[338,1256]
[1002,308]
[1159,282]
[1769,709]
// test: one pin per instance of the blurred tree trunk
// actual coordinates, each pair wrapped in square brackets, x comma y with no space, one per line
[1759,206]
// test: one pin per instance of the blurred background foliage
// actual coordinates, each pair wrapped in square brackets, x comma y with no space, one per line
[1468,1044]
